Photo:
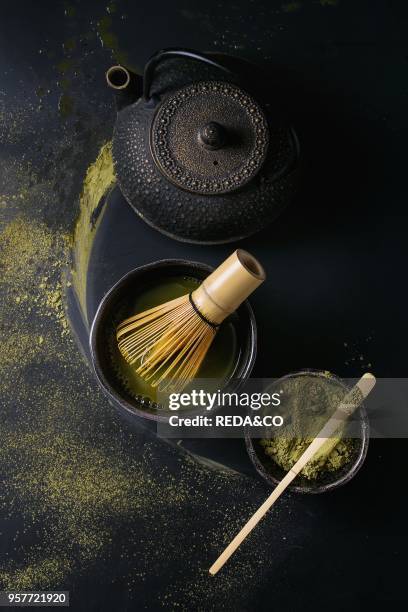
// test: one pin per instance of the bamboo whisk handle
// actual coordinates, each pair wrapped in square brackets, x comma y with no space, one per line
[228,286]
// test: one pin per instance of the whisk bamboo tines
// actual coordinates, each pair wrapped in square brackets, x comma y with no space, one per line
[169,342]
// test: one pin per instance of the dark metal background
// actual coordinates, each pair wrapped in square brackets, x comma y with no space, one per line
[336,259]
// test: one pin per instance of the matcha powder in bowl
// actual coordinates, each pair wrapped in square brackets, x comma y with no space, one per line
[308,399]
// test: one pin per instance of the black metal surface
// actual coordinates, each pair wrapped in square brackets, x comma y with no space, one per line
[336,291]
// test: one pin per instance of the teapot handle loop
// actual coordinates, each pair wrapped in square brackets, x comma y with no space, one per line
[164,54]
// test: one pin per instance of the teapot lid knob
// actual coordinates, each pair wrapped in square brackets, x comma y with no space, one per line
[212,136]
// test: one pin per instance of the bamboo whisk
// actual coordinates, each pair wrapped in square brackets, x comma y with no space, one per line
[169,342]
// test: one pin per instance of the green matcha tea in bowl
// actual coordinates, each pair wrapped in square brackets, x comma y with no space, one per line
[152,288]
[308,399]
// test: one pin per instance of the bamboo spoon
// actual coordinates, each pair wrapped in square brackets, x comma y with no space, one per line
[349,404]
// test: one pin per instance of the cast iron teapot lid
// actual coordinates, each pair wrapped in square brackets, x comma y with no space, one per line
[194,160]
[210,137]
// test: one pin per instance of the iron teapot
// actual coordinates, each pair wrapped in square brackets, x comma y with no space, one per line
[196,155]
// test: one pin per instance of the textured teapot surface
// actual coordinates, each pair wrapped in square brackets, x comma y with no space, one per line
[200,160]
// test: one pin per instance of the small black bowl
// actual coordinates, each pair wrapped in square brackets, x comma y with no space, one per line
[273,473]
[118,300]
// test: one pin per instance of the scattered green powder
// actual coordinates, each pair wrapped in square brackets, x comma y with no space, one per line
[307,403]
[99,179]
[291,7]
[44,572]
[108,38]
[28,246]
[78,486]
[287,451]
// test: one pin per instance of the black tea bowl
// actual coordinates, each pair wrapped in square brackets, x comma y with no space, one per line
[273,473]
[116,305]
